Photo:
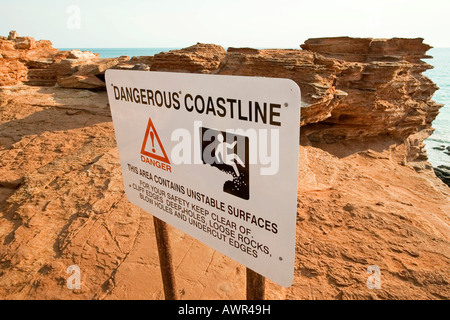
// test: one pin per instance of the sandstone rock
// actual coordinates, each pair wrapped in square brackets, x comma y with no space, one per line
[62,199]
[315,78]
[124,66]
[98,67]
[352,88]
[45,44]
[6,45]
[141,66]
[343,48]
[81,82]
[82,55]
[411,50]
[41,77]
[25,43]
[199,58]
[123,59]
[12,72]
[12,35]
[141,59]
[39,64]
[87,74]
[11,55]
[34,54]
[66,67]
[11,183]
[40,72]
[386,91]
[369,49]
[361,210]
[243,50]
[78,69]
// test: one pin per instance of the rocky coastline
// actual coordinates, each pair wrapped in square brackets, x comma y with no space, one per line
[367,193]
[352,89]
[443,171]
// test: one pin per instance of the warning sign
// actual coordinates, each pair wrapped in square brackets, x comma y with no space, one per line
[216,157]
[152,146]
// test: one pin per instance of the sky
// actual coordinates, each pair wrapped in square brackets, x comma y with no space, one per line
[230,23]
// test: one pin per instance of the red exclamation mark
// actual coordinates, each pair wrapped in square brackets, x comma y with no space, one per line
[152,136]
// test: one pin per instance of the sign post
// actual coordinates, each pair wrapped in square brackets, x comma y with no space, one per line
[256,285]
[165,259]
[217,157]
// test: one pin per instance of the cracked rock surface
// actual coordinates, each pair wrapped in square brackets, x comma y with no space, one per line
[62,203]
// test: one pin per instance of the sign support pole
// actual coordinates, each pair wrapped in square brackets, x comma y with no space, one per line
[256,285]
[165,259]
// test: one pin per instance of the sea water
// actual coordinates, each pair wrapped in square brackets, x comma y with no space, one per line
[441,136]
[439,75]
[117,52]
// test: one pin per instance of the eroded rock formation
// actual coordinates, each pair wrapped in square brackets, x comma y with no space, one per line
[352,89]
[27,60]
[387,94]
[314,78]
[24,60]
[366,109]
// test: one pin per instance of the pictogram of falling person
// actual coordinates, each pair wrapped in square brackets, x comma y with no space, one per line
[229,159]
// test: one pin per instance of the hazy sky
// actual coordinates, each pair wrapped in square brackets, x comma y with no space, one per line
[254,23]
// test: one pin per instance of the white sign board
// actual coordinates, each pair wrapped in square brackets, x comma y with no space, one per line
[216,157]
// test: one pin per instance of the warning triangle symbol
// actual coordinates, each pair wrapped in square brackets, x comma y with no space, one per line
[152,146]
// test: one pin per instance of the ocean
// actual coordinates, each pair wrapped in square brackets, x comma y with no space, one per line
[117,52]
[441,137]
[435,145]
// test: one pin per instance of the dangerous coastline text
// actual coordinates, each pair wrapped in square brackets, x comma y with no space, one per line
[252,111]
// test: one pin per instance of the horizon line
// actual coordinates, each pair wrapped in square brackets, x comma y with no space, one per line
[194,44]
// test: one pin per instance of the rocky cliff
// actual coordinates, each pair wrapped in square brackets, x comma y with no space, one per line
[366,194]
[24,60]
[353,90]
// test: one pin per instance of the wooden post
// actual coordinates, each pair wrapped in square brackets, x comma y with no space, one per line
[256,285]
[165,259]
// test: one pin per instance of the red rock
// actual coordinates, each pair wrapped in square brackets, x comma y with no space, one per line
[12,72]
[12,35]
[25,43]
[199,58]
[26,51]
[82,55]
[364,118]
[148,60]
[387,93]
[81,82]
[45,44]
[84,73]
[6,45]
[352,89]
